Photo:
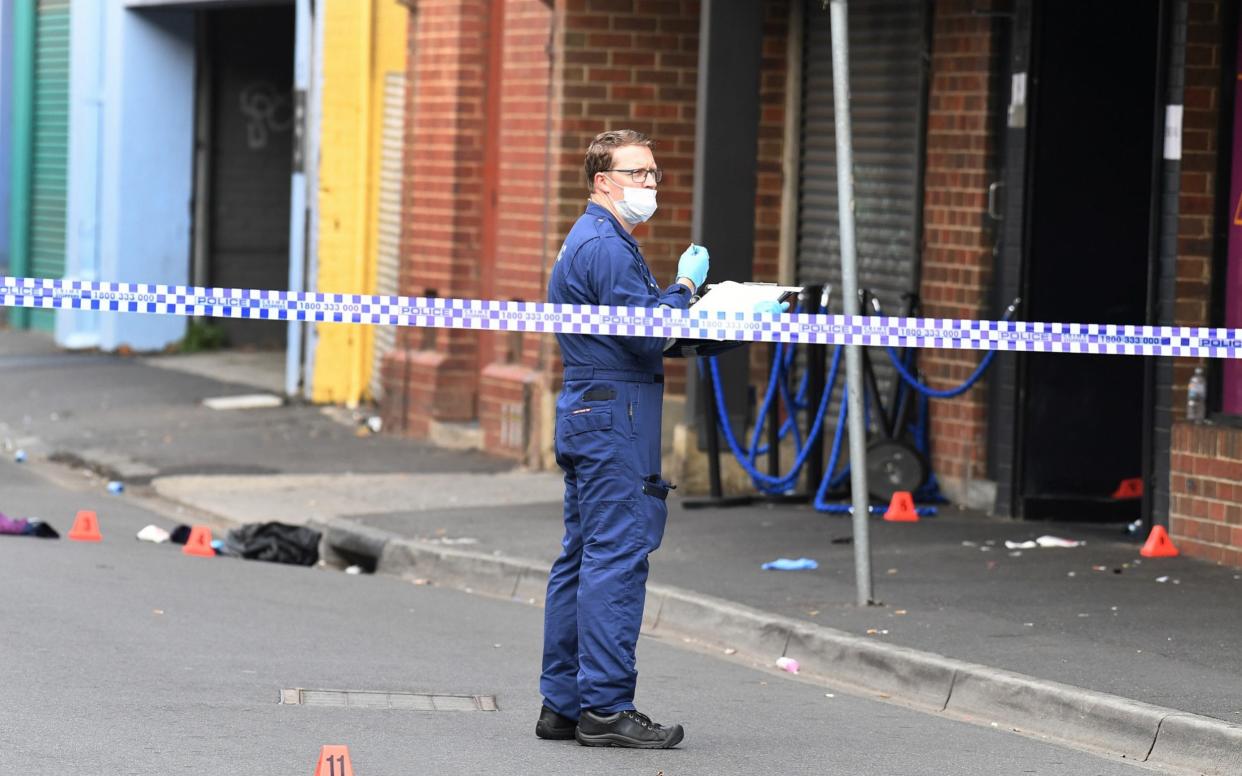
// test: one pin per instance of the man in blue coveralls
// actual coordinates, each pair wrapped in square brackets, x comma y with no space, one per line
[608,444]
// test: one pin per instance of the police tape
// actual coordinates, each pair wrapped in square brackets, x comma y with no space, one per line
[548,318]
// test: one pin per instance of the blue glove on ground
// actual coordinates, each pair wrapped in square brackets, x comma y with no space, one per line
[771,308]
[693,265]
[788,564]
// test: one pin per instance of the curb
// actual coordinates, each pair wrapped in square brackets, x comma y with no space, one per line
[1107,724]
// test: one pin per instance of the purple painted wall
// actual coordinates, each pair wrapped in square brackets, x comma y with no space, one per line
[1231,398]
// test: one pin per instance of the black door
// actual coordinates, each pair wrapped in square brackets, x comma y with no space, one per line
[1079,156]
[1088,197]
[250,53]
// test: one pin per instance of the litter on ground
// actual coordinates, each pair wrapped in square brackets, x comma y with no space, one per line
[1043,542]
[153,533]
[27,527]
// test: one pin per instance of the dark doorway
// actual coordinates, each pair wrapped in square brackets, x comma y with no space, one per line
[245,130]
[1089,187]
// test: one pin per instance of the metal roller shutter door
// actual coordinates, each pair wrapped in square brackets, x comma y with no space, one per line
[388,243]
[888,54]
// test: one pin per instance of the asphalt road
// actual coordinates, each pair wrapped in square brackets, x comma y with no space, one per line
[74,403]
[127,657]
[1092,616]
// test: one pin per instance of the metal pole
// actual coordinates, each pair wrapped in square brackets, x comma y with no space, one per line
[314,117]
[849,283]
[297,192]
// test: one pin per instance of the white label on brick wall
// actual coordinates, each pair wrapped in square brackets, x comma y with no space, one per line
[1172,132]
[1017,101]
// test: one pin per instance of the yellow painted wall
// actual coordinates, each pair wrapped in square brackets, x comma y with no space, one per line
[363,40]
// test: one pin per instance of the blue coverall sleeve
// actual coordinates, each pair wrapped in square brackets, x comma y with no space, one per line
[618,279]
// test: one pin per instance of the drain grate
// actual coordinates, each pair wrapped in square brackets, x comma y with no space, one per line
[402,701]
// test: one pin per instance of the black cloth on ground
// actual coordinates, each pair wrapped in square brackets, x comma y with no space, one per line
[274,542]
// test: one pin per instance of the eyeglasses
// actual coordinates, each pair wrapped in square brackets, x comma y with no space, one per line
[640,175]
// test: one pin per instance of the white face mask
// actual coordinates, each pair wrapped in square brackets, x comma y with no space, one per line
[638,204]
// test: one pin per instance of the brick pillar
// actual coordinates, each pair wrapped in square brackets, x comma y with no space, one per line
[769,169]
[1197,195]
[432,374]
[957,254]
[514,383]
[1205,503]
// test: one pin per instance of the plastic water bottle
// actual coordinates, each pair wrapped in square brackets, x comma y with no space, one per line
[1196,397]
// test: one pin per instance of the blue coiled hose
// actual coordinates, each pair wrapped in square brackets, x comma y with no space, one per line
[781,361]
[934,393]
[766,483]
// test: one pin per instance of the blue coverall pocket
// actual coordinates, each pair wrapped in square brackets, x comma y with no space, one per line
[586,419]
[654,510]
[654,486]
[585,438]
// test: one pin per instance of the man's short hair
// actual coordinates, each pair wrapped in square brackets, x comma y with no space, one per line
[599,152]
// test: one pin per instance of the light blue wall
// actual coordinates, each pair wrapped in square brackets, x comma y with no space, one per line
[6,121]
[88,103]
[131,164]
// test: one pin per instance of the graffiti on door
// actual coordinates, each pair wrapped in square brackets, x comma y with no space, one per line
[267,111]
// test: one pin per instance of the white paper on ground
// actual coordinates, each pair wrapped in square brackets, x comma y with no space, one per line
[1043,541]
[1056,541]
[250,401]
[153,533]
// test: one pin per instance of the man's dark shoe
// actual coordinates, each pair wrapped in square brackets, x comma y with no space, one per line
[553,726]
[626,728]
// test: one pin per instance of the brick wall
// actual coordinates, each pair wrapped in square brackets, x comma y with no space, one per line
[1197,201]
[770,177]
[522,247]
[769,168]
[513,378]
[631,64]
[432,374]
[614,64]
[957,235]
[1205,506]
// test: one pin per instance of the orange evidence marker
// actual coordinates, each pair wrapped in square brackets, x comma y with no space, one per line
[334,761]
[901,508]
[85,528]
[199,543]
[1130,488]
[1159,545]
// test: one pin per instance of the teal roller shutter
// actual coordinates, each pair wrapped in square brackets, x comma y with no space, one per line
[49,177]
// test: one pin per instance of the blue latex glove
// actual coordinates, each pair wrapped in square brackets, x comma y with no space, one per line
[787,564]
[693,265]
[770,307]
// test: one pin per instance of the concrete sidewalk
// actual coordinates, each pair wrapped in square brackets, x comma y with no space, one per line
[1089,645]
